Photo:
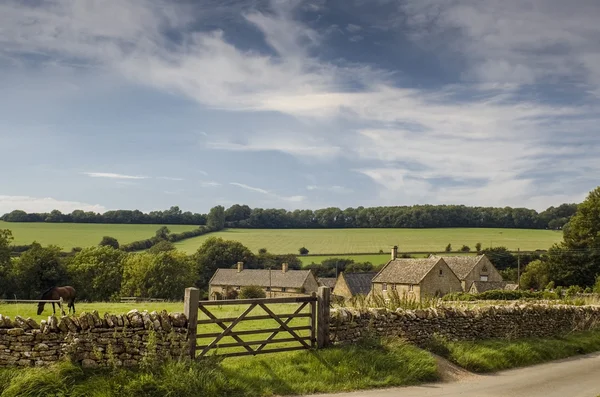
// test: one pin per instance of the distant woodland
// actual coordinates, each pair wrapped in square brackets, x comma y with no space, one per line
[242,216]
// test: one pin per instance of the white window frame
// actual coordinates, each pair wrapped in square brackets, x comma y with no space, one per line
[483,277]
[384,286]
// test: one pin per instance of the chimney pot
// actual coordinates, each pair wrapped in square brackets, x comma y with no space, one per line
[395,252]
[240,266]
[284,267]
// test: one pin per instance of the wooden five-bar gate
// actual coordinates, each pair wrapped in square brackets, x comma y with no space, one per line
[298,337]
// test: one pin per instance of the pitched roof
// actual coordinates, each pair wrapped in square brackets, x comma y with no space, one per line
[360,282]
[406,270]
[461,265]
[260,277]
[483,286]
[327,281]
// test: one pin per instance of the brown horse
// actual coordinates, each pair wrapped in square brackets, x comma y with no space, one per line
[55,293]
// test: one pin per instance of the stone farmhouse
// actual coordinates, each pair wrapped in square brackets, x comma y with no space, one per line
[349,285]
[415,278]
[471,269]
[275,283]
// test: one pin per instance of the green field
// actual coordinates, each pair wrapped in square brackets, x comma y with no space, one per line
[375,259]
[69,235]
[339,241]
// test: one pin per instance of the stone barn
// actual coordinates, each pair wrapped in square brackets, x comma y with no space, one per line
[349,285]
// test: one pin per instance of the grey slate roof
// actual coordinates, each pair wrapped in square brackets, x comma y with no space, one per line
[461,265]
[360,282]
[327,282]
[483,286]
[406,270]
[260,277]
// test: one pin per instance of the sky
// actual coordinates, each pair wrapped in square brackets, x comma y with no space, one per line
[146,104]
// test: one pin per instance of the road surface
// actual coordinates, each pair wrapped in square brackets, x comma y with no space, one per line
[574,377]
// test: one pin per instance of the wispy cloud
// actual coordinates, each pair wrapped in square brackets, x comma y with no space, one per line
[210,184]
[333,189]
[44,204]
[113,176]
[168,178]
[294,199]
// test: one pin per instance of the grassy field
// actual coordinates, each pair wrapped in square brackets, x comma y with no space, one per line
[69,235]
[338,241]
[376,259]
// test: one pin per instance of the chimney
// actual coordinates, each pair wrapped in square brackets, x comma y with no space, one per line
[284,267]
[240,266]
[395,252]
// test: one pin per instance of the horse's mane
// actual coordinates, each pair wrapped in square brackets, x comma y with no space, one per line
[45,292]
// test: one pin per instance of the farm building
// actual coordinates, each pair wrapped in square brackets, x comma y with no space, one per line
[416,278]
[470,269]
[275,283]
[348,285]
[327,282]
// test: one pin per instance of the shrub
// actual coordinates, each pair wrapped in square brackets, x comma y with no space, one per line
[303,251]
[449,248]
[110,242]
[459,296]
[252,292]
[465,248]
[478,247]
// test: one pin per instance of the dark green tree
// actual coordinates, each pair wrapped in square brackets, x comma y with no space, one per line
[6,282]
[96,273]
[163,233]
[108,241]
[448,248]
[38,269]
[303,251]
[216,218]
[217,253]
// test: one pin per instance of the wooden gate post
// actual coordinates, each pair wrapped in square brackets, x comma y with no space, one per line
[323,317]
[190,309]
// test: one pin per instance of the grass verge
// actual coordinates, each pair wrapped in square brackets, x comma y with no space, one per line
[370,364]
[498,354]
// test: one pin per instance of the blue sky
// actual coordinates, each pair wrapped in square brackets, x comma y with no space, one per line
[123,104]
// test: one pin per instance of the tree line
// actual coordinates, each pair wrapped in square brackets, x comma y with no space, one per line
[105,272]
[242,216]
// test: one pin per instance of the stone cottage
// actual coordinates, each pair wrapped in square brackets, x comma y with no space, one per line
[470,269]
[275,283]
[349,285]
[327,282]
[418,278]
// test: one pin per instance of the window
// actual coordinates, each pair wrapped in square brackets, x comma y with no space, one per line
[393,287]
[384,287]
[282,289]
[441,272]
[484,278]
[237,288]
[268,288]
[410,287]
[484,269]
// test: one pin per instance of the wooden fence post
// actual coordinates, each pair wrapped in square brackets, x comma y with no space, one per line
[190,309]
[323,317]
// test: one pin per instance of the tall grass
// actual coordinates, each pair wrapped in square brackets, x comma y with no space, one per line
[370,364]
[499,354]
[393,301]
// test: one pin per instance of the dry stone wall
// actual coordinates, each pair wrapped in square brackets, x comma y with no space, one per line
[93,341]
[418,326]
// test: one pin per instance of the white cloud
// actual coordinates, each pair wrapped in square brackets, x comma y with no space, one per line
[168,178]
[352,28]
[332,189]
[112,175]
[209,184]
[47,204]
[292,199]
[513,40]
